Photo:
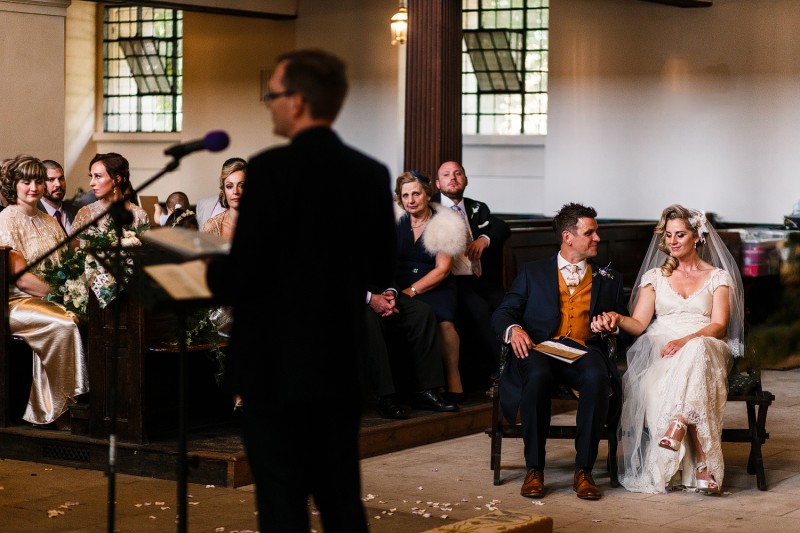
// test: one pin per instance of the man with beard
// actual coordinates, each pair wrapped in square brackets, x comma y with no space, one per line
[52,202]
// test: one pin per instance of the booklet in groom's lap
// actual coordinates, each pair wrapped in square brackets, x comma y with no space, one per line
[560,351]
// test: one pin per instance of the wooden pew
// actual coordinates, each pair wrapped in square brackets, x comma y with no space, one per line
[146,376]
[6,342]
[147,370]
[622,245]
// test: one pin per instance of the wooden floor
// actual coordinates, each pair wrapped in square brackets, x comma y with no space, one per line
[215,454]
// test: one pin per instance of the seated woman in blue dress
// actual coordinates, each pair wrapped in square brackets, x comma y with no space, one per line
[428,237]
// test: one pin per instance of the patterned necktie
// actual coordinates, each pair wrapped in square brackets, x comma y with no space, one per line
[572,278]
[475,266]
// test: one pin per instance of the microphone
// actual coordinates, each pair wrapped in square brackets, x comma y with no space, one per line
[214,141]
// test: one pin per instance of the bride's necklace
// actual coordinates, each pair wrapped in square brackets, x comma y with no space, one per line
[421,223]
[686,272]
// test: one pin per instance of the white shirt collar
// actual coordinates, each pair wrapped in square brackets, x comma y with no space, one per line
[563,262]
[447,202]
[50,210]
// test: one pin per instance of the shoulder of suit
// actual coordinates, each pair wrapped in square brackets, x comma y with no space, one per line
[539,264]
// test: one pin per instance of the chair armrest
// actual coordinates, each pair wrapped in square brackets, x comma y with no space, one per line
[611,342]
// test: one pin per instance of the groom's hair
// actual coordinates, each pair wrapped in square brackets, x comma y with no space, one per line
[567,217]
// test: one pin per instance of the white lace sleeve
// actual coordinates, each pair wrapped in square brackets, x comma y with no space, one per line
[720,277]
[649,278]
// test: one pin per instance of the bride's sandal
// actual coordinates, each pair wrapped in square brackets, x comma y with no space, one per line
[674,435]
[707,484]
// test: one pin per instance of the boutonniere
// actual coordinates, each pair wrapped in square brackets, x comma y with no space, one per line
[475,208]
[604,272]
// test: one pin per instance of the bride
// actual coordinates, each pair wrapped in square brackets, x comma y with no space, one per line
[688,312]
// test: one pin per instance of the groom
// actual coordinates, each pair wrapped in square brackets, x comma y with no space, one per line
[556,298]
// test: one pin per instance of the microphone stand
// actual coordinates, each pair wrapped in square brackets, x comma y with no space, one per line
[120,216]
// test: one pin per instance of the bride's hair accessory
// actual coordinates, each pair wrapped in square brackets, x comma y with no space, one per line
[187,213]
[699,222]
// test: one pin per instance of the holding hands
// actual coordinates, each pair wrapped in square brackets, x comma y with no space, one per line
[607,322]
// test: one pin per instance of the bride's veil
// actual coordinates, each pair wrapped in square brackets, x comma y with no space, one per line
[713,250]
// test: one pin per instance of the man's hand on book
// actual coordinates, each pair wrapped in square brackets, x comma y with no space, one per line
[520,342]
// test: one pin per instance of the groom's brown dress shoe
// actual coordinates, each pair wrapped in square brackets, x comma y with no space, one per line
[585,486]
[533,486]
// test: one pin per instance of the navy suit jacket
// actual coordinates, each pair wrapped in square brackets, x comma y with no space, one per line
[533,302]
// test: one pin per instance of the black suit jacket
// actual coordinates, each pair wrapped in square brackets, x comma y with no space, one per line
[315,225]
[67,207]
[533,302]
[483,222]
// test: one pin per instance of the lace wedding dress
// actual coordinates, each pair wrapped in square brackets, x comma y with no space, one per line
[692,383]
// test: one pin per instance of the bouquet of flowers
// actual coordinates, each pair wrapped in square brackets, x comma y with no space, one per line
[67,284]
[77,270]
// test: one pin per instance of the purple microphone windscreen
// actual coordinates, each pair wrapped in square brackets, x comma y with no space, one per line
[216,141]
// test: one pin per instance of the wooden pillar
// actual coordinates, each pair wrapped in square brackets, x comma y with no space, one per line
[433,85]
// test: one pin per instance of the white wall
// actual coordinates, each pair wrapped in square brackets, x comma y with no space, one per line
[358,32]
[651,105]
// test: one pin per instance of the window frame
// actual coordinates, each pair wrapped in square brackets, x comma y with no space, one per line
[501,111]
[130,104]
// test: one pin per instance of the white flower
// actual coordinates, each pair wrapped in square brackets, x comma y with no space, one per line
[699,222]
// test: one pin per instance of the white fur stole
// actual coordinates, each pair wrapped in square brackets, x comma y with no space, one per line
[445,232]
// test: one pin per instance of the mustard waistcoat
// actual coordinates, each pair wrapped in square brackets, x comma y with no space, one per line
[575,309]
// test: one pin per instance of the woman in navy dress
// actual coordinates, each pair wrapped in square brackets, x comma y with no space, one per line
[428,238]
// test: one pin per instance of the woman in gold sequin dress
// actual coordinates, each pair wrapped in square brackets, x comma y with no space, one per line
[60,372]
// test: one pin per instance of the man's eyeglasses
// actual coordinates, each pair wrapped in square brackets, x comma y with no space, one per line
[274,96]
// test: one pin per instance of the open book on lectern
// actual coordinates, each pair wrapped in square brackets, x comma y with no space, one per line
[187,280]
[187,243]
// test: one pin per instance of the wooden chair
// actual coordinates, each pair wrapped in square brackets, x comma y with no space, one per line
[502,428]
[743,386]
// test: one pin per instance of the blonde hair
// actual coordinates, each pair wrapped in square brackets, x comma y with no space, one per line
[234,164]
[673,212]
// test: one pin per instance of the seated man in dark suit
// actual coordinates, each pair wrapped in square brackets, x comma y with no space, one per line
[478,272]
[556,298]
[402,321]
[52,202]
